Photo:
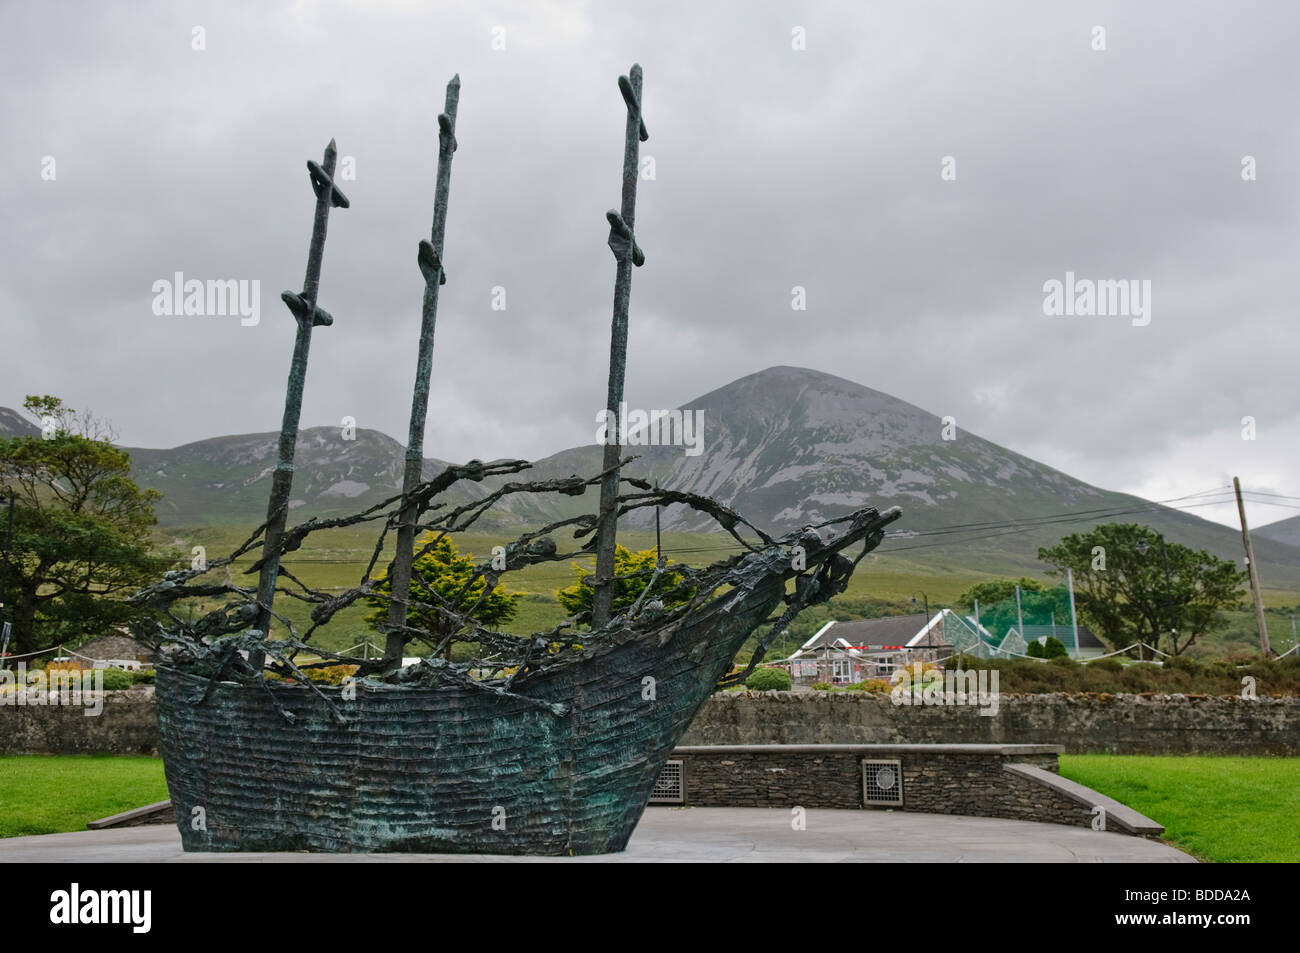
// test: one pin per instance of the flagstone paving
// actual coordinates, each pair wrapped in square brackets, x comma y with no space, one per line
[666,835]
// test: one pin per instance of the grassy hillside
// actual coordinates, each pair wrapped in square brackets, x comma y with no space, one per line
[884,584]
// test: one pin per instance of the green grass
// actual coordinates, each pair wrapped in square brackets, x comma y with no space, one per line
[336,560]
[885,583]
[1221,809]
[52,794]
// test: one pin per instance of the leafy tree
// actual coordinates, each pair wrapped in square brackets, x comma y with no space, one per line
[631,574]
[1129,599]
[446,571]
[81,529]
[1035,649]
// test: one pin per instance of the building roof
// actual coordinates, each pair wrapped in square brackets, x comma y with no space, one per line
[114,645]
[869,635]
[1087,639]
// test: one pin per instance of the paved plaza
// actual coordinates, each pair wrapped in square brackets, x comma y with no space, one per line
[712,835]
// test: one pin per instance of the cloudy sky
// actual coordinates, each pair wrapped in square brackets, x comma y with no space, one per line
[775,167]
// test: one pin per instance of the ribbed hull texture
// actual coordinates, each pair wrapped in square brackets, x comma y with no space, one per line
[447,769]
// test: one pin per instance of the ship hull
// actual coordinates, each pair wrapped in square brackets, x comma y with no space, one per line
[448,769]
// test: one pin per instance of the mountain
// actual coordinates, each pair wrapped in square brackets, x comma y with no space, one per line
[784,447]
[788,446]
[14,424]
[1283,531]
[227,479]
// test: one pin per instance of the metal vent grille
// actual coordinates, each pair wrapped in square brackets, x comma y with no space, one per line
[882,782]
[670,788]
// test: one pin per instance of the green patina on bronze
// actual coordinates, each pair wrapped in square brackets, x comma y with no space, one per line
[547,744]
[541,744]
[429,259]
[622,242]
[308,316]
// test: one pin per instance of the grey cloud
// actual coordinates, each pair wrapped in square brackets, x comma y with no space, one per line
[775,168]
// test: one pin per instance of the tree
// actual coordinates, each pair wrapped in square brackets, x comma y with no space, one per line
[631,574]
[81,529]
[1035,649]
[1123,593]
[446,571]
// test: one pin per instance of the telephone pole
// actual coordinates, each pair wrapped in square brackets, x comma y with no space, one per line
[1254,573]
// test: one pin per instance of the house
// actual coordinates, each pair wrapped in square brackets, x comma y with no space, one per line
[114,650]
[846,652]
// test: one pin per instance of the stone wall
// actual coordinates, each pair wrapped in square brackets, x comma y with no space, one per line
[937,779]
[128,724]
[1119,724]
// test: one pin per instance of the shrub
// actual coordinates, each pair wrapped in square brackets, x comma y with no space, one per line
[329,675]
[1035,650]
[914,676]
[1054,648]
[1181,663]
[145,676]
[1107,665]
[115,680]
[1064,661]
[875,686]
[822,686]
[769,679]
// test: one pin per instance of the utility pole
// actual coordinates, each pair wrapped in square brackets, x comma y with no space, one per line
[1169,597]
[1020,620]
[1254,573]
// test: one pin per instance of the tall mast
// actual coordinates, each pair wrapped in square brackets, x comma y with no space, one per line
[430,261]
[622,242]
[308,316]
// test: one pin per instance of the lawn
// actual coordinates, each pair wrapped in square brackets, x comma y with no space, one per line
[1216,808]
[51,794]
[1221,809]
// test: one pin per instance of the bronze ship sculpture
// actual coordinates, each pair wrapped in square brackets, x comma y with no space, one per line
[544,744]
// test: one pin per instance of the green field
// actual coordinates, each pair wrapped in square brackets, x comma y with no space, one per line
[335,560]
[1222,809]
[49,794]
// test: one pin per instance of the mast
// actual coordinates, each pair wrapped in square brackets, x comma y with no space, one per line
[622,242]
[430,261]
[308,315]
